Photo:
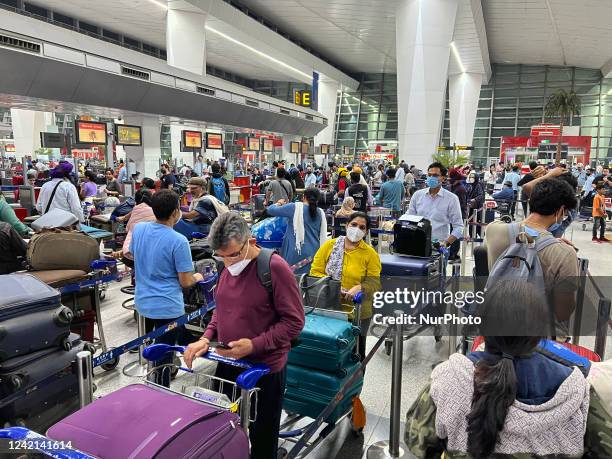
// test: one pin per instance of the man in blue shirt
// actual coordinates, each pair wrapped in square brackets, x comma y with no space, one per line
[163,268]
[588,184]
[391,193]
[513,177]
[439,206]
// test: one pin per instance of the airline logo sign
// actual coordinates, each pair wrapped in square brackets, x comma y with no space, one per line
[302,98]
[545,130]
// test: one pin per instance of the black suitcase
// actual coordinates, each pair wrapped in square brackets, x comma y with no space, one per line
[412,238]
[35,331]
[23,294]
[327,199]
[40,388]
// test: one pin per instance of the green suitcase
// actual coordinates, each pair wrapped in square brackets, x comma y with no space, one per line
[308,391]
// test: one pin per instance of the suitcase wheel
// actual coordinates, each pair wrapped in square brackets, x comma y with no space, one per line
[16,381]
[64,316]
[66,344]
[90,348]
[355,357]
[111,364]
[341,373]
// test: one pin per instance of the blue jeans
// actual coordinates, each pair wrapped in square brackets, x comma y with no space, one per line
[187,228]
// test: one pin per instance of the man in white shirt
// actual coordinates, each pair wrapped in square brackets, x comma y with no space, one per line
[60,194]
[198,167]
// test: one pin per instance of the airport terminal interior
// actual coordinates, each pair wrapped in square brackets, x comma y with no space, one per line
[305,229]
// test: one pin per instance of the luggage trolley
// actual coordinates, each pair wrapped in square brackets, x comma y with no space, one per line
[189,426]
[298,410]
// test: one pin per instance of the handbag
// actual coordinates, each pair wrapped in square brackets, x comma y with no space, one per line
[319,292]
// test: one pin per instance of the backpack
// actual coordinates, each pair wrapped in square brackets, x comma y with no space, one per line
[520,260]
[218,188]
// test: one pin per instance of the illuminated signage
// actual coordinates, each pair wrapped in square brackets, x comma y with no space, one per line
[294,147]
[305,148]
[268,145]
[302,98]
[214,141]
[192,139]
[90,132]
[253,144]
[128,135]
[324,149]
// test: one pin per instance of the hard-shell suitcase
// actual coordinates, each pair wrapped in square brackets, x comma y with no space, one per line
[56,218]
[396,265]
[40,388]
[35,331]
[62,250]
[412,236]
[308,392]
[23,294]
[326,343]
[153,422]
[327,199]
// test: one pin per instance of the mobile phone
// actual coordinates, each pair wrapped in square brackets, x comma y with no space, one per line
[218,345]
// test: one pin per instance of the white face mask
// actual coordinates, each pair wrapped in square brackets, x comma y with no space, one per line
[238,267]
[471,180]
[354,234]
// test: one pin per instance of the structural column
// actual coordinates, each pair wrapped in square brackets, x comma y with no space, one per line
[287,155]
[327,101]
[424,31]
[27,126]
[464,93]
[186,37]
[148,155]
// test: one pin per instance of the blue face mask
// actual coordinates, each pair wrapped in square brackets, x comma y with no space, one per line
[555,227]
[432,182]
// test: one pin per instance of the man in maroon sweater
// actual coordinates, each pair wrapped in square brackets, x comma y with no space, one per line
[254,324]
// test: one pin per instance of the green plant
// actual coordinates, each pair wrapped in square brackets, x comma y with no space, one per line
[562,104]
[449,160]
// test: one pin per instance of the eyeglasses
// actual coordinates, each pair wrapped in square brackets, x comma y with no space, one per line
[233,256]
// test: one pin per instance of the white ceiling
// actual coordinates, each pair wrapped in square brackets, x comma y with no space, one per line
[357,34]
[145,21]
[554,32]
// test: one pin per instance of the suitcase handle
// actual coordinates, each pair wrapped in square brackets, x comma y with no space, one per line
[102,264]
[40,442]
[197,235]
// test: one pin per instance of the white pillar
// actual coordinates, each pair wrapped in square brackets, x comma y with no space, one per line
[464,93]
[424,30]
[186,157]
[27,126]
[186,37]
[327,100]
[146,156]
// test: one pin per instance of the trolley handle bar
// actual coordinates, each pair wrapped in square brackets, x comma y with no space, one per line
[43,444]
[103,264]
[246,380]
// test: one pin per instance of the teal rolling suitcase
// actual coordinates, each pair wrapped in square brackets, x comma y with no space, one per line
[326,344]
[308,392]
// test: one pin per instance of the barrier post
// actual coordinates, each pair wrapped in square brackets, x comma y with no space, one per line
[85,377]
[138,368]
[245,410]
[603,317]
[583,272]
[394,447]
[463,245]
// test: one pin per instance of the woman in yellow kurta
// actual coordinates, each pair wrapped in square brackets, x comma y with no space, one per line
[355,264]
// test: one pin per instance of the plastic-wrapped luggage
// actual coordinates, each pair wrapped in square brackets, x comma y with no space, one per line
[183,427]
[396,265]
[308,391]
[62,250]
[270,232]
[326,344]
[40,388]
[56,218]
[412,236]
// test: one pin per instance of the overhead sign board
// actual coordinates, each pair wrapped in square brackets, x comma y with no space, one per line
[52,140]
[294,147]
[214,141]
[192,139]
[268,145]
[302,98]
[128,135]
[254,144]
[545,129]
[90,132]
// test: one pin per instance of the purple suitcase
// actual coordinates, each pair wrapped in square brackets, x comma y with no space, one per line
[144,422]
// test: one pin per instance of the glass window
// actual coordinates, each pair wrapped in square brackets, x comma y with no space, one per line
[559,74]
[538,77]
[484,103]
[503,123]
[482,122]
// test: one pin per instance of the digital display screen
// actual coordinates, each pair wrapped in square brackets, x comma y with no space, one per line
[305,147]
[192,139]
[295,147]
[214,141]
[253,144]
[52,140]
[268,145]
[90,132]
[324,149]
[128,135]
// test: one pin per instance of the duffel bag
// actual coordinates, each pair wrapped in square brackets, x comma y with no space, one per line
[60,249]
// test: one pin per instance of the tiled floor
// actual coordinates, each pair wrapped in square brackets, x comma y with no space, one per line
[419,355]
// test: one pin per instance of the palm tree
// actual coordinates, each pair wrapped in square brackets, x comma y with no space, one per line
[562,104]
